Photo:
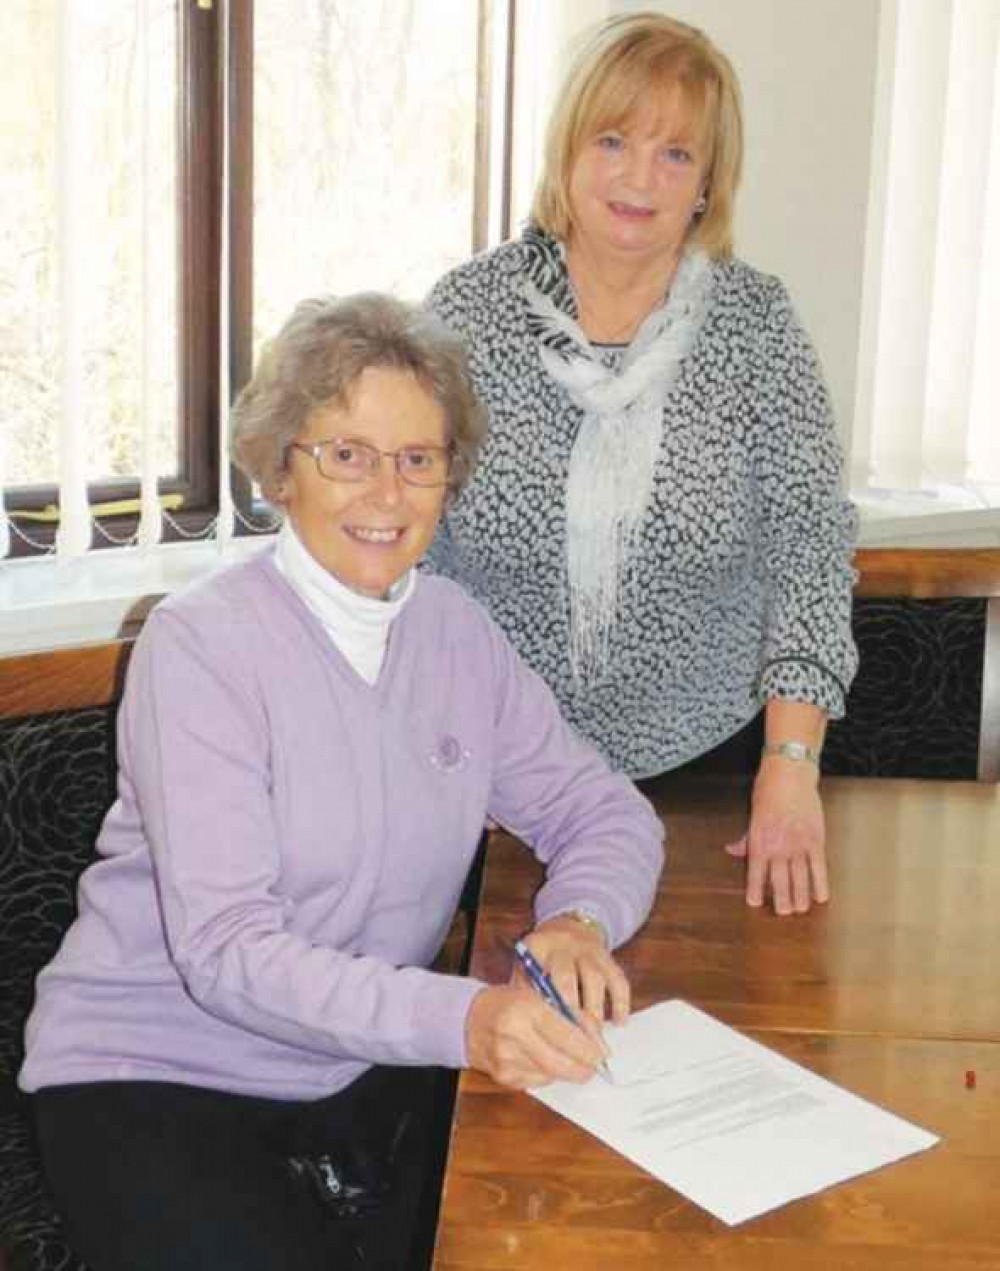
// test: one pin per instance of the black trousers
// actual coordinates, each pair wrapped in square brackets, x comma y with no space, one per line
[151,1176]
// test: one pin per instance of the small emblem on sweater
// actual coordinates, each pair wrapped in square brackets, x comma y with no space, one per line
[451,755]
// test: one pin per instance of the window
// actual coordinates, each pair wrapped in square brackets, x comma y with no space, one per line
[929,381]
[185,171]
[364,142]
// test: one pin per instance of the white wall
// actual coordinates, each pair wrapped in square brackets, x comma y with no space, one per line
[807,69]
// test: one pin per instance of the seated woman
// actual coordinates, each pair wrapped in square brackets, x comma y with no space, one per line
[657,523]
[309,743]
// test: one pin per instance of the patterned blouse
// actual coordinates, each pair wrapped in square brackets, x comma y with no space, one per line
[738,589]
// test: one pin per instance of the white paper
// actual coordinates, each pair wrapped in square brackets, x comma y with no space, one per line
[733,1126]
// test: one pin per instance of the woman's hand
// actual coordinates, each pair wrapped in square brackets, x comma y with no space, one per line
[515,1037]
[581,968]
[785,847]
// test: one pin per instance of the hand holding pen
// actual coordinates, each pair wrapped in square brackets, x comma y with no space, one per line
[514,1036]
[543,985]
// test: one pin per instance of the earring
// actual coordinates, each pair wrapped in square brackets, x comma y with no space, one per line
[701,205]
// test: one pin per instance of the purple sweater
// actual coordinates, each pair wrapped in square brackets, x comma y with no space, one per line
[289,844]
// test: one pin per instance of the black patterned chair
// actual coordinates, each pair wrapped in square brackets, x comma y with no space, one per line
[926,700]
[57,770]
[56,782]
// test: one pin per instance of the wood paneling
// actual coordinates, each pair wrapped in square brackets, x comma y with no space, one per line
[62,679]
[928,572]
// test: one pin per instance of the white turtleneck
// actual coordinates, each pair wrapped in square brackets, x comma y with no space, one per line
[358,625]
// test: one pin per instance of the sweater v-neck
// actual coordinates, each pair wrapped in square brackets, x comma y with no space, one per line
[334,656]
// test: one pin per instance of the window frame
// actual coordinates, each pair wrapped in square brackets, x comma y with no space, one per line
[215,190]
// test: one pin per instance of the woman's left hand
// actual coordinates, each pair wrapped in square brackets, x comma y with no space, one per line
[785,846]
[581,967]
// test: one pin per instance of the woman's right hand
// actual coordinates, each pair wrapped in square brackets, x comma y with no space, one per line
[516,1038]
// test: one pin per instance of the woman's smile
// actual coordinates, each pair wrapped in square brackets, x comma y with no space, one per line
[630,211]
[371,535]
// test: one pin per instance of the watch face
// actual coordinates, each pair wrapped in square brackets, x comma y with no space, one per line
[587,919]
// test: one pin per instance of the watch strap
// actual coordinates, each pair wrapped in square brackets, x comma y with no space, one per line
[792,750]
[587,918]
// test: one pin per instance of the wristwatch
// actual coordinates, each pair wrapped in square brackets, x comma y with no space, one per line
[589,920]
[792,750]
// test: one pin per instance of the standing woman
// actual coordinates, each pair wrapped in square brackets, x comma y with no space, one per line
[657,521]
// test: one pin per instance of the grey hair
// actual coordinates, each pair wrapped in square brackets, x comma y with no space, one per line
[316,358]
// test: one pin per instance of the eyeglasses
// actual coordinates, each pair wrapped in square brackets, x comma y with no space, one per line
[344,459]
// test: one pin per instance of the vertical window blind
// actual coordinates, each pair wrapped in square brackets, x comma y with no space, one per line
[90,374]
[928,398]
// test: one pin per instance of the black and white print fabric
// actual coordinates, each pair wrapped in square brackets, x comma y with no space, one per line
[737,588]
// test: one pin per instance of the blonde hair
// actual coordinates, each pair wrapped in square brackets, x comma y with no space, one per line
[625,61]
[318,356]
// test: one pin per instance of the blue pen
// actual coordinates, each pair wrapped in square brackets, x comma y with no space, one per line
[541,983]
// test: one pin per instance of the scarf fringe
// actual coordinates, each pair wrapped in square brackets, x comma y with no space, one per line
[615,451]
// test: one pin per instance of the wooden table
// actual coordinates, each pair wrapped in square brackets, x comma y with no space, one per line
[893,991]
